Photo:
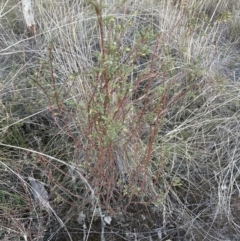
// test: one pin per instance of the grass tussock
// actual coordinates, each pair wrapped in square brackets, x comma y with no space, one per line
[120,121]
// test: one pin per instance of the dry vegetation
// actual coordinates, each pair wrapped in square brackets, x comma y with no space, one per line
[120,121]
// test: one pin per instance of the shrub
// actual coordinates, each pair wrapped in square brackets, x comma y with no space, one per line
[124,116]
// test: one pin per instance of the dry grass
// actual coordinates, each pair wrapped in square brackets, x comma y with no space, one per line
[126,110]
